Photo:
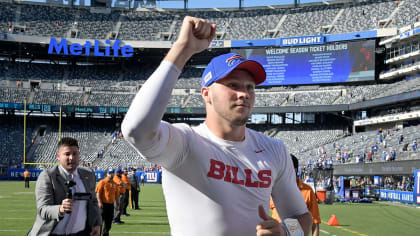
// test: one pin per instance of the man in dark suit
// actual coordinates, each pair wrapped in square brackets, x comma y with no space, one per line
[59,211]
[135,189]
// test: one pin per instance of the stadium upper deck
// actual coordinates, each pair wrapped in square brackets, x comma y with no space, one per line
[159,24]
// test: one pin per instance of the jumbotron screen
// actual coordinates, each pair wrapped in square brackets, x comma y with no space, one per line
[314,64]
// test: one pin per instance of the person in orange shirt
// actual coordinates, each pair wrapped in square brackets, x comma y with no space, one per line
[118,180]
[107,193]
[26,177]
[127,182]
[310,200]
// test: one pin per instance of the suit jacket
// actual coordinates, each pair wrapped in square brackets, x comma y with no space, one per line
[51,190]
[134,182]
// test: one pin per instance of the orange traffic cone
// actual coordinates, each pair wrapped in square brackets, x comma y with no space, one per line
[333,221]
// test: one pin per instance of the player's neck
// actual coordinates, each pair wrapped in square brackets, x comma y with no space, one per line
[226,131]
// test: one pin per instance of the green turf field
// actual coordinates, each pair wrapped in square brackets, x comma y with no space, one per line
[18,211]
[17,214]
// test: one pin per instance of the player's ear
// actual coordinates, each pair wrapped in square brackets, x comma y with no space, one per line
[205,93]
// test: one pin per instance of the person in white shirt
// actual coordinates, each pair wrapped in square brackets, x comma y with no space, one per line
[218,176]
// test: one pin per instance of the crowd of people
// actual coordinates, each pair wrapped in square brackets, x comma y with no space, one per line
[344,154]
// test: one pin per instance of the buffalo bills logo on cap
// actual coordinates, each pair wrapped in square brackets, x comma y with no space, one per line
[232,60]
[220,67]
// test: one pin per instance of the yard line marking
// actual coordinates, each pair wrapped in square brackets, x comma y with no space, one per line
[323,231]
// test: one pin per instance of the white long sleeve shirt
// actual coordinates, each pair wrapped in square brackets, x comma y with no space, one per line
[212,186]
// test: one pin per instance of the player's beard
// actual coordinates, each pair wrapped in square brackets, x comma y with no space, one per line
[234,117]
[240,121]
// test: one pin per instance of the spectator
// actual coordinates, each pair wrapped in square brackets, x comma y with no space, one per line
[369,157]
[388,157]
[375,148]
[393,155]
[400,139]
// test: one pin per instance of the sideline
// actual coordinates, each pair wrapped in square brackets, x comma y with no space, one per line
[398,204]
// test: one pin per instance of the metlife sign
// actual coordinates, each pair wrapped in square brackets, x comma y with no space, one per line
[76,49]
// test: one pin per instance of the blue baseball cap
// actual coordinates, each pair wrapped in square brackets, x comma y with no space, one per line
[118,170]
[221,66]
[110,171]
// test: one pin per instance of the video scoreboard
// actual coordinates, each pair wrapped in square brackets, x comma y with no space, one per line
[339,62]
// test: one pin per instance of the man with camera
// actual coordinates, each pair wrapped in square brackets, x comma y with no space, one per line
[65,197]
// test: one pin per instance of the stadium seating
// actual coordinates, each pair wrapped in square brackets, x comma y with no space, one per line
[297,22]
[358,145]
[271,99]
[7,15]
[13,95]
[87,85]
[364,16]
[145,25]
[106,99]
[255,23]
[93,136]
[57,97]
[11,134]
[121,154]
[408,13]
[303,137]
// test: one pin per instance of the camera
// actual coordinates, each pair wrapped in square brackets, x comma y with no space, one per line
[69,194]
[77,196]
[69,184]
